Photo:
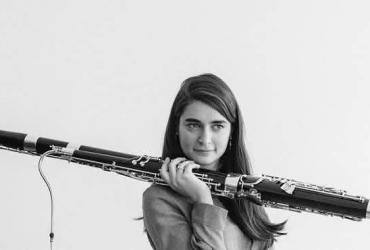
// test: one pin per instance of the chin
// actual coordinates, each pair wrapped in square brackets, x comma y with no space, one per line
[205,163]
[202,159]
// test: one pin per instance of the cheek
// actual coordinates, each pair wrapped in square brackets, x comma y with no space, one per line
[223,141]
[186,140]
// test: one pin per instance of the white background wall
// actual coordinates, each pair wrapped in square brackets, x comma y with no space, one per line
[104,74]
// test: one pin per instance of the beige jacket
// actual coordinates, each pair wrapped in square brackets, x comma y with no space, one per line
[173,223]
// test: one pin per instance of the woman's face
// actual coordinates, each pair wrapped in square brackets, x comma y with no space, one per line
[204,134]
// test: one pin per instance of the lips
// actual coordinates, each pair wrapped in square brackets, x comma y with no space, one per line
[203,150]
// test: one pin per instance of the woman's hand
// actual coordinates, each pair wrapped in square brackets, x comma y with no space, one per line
[179,176]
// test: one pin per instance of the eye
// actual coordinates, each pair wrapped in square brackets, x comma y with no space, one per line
[218,126]
[192,125]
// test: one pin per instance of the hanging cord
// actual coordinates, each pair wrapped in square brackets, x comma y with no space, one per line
[47,153]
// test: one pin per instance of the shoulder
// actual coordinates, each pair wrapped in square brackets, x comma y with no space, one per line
[159,200]
[156,191]
[159,194]
[259,245]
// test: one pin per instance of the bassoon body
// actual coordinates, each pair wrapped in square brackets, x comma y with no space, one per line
[264,190]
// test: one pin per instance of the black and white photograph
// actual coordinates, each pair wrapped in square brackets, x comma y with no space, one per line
[184,125]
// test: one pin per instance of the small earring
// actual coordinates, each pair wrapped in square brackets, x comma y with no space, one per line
[230,143]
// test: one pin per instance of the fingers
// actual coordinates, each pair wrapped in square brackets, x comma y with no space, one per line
[178,174]
[164,170]
[182,166]
[168,169]
[172,170]
[189,168]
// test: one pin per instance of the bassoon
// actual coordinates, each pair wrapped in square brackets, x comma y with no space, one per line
[264,190]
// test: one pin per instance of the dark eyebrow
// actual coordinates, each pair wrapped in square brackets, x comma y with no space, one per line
[197,121]
[191,120]
[219,121]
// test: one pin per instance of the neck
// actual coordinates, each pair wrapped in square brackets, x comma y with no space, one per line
[215,166]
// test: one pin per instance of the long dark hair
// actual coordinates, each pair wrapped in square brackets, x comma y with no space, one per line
[213,91]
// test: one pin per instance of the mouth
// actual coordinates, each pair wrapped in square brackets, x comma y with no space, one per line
[203,150]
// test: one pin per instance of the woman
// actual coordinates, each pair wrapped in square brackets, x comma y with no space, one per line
[204,130]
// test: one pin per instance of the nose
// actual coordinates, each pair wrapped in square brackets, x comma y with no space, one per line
[205,137]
